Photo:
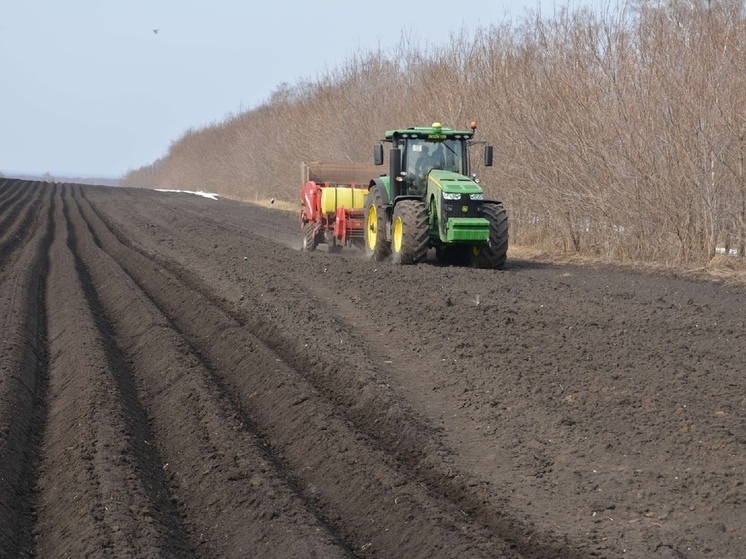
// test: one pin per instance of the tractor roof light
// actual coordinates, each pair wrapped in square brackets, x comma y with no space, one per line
[437,127]
[473,125]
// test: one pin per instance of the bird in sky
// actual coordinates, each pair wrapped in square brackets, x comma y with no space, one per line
[156,31]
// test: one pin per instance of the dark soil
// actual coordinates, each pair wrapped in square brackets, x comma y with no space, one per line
[177,379]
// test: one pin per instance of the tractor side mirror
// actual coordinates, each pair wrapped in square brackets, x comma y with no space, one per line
[378,154]
[488,155]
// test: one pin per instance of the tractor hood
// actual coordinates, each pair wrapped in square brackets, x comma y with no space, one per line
[451,182]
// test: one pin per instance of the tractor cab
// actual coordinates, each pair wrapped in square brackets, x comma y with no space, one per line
[416,151]
[420,156]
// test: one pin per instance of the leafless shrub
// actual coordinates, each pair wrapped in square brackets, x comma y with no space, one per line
[621,135]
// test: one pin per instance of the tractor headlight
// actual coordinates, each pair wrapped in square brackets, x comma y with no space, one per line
[476,196]
[451,196]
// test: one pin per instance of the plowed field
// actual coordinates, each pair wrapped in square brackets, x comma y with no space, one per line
[178,380]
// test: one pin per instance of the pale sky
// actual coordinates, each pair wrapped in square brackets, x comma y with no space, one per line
[87,89]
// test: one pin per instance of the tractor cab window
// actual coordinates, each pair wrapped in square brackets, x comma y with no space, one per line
[453,155]
[425,155]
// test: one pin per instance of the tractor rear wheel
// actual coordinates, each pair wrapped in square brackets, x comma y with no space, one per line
[494,252]
[409,232]
[309,238]
[375,226]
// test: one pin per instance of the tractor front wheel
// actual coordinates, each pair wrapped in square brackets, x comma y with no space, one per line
[494,252]
[409,232]
[375,226]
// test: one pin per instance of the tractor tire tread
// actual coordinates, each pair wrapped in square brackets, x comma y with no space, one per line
[382,247]
[493,253]
[309,237]
[415,234]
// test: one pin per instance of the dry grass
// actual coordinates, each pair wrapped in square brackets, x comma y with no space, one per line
[727,270]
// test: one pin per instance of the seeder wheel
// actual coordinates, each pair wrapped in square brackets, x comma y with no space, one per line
[309,238]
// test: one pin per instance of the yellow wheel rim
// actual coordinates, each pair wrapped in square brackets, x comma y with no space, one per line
[398,234]
[372,227]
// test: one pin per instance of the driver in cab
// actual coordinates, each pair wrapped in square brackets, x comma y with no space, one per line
[425,163]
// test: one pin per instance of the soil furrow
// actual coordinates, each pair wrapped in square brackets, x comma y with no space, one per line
[15,227]
[23,381]
[10,207]
[524,361]
[6,187]
[203,441]
[276,403]
[90,494]
[139,436]
[220,339]
[10,193]
[382,415]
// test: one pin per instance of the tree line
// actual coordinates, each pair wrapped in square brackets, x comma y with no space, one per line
[619,134]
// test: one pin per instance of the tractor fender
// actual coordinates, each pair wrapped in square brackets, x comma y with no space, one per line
[408,197]
[385,198]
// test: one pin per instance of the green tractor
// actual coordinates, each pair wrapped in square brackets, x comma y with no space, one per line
[429,200]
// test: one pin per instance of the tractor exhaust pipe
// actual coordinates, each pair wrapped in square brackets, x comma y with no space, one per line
[395,172]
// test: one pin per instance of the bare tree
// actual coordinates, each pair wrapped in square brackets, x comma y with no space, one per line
[621,135]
